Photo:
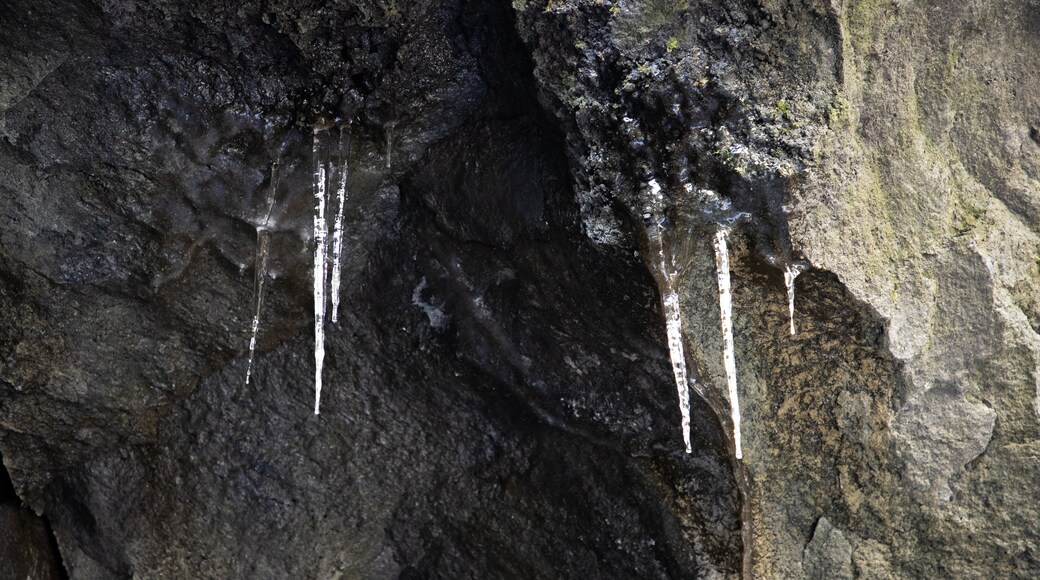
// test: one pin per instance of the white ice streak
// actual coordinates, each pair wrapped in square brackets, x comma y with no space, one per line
[337,235]
[263,239]
[790,273]
[320,267]
[726,314]
[672,311]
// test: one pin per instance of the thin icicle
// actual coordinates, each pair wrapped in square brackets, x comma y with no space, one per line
[263,240]
[320,267]
[726,314]
[337,230]
[672,311]
[263,243]
[790,273]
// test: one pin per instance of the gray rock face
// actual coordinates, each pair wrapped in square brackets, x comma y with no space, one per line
[498,400]
[828,554]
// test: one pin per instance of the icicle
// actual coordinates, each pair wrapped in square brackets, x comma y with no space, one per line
[337,230]
[263,239]
[672,311]
[790,273]
[320,266]
[726,314]
[389,143]
[673,325]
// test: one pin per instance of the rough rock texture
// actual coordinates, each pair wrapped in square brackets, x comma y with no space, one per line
[893,145]
[498,401]
[27,548]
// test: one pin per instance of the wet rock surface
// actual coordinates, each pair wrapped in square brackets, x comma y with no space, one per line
[498,399]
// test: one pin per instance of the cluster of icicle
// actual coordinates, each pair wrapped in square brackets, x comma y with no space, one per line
[653,212]
[324,178]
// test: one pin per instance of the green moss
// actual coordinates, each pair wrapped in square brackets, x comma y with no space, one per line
[653,18]
[839,115]
[671,44]
[569,82]
[967,218]
[661,12]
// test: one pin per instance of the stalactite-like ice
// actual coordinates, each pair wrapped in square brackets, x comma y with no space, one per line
[337,230]
[263,250]
[320,267]
[654,212]
[726,315]
[790,273]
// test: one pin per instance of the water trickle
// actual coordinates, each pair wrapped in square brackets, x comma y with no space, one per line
[726,315]
[654,212]
[320,267]
[263,250]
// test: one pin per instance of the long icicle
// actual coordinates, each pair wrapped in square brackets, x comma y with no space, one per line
[263,239]
[726,314]
[337,228]
[320,258]
[790,273]
[672,311]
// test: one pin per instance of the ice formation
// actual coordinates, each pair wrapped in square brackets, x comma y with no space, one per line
[654,212]
[337,231]
[726,314]
[790,273]
[263,250]
[320,267]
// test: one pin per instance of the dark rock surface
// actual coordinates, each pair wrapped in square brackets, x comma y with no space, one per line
[27,547]
[498,401]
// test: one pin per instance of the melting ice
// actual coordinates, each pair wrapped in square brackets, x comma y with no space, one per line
[337,232]
[790,273]
[654,212]
[726,314]
[320,266]
[263,239]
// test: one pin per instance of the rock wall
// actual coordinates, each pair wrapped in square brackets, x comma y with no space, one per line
[498,398]
[893,145]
